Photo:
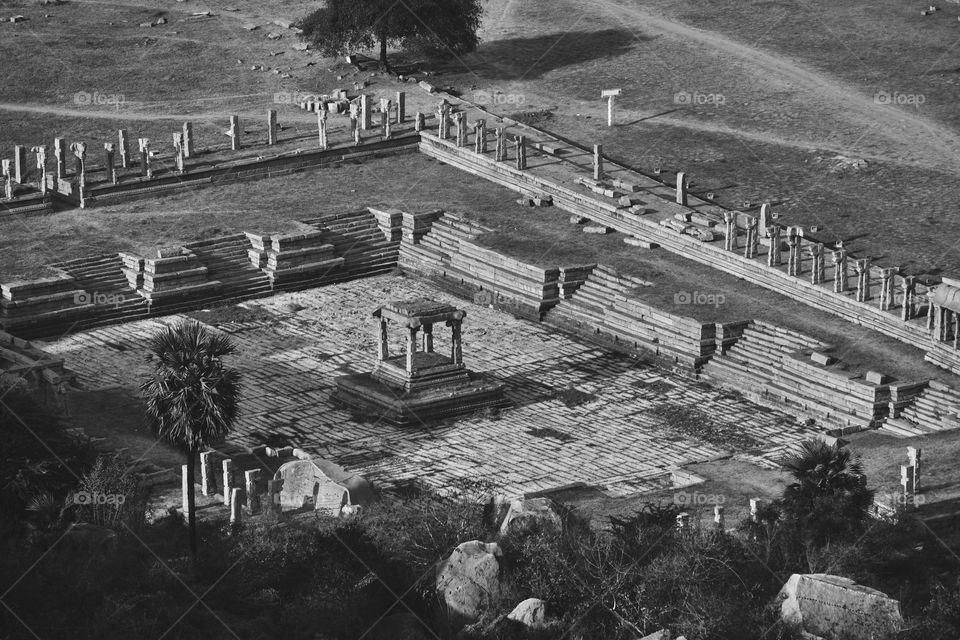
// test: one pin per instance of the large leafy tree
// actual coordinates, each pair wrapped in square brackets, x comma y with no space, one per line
[347,25]
[192,397]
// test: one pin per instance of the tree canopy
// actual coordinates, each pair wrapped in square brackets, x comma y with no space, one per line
[440,25]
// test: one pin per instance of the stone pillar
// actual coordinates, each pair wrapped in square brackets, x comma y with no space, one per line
[930,311]
[480,136]
[237,498]
[750,249]
[178,152]
[718,518]
[443,118]
[274,487]
[428,338]
[816,255]
[907,483]
[145,170]
[755,505]
[913,455]
[411,347]
[773,256]
[251,480]
[886,288]
[365,112]
[456,347]
[863,279]
[79,150]
[401,107]
[20,163]
[60,152]
[124,148]
[521,144]
[227,480]
[598,162]
[208,476]
[765,221]
[682,188]
[357,136]
[110,158]
[459,119]
[187,140]
[322,128]
[839,269]
[729,230]
[501,153]
[185,490]
[683,522]
[234,133]
[272,126]
[794,257]
[420,122]
[7,179]
[908,286]
[41,151]
[386,106]
[383,350]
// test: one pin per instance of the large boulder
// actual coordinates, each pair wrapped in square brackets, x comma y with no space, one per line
[531,613]
[321,485]
[469,581]
[528,513]
[837,607]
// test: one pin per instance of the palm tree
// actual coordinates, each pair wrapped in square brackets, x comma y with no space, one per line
[830,488]
[192,398]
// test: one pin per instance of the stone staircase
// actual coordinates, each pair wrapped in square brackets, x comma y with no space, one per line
[772,366]
[356,237]
[103,278]
[227,261]
[936,409]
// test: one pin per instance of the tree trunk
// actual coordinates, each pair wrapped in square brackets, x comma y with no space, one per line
[383,53]
[192,501]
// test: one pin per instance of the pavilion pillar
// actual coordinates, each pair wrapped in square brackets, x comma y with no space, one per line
[428,338]
[383,351]
[411,347]
[456,348]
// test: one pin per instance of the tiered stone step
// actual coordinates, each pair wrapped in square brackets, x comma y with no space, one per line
[175,280]
[227,262]
[359,239]
[105,278]
[605,306]
[936,409]
[771,365]
[42,307]
[291,259]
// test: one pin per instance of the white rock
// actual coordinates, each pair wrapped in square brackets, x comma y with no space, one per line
[469,581]
[833,606]
[531,613]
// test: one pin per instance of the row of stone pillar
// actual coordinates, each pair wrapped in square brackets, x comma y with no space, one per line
[445,114]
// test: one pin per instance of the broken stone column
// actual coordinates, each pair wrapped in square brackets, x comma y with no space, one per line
[111,161]
[419,122]
[863,279]
[227,480]
[237,498]
[357,137]
[480,136]
[187,140]
[386,106]
[459,119]
[7,179]
[322,127]
[755,505]
[401,107]
[41,151]
[913,455]
[718,518]
[20,163]
[729,230]
[60,152]
[521,144]
[501,152]
[886,288]
[908,286]
[208,477]
[365,112]
[682,188]
[185,490]
[178,152]
[598,162]
[234,133]
[765,220]
[443,119]
[753,240]
[145,170]
[272,126]
[251,479]
[124,148]
[274,487]
[683,522]
[907,484]
[839,269]
[774,257]
[79,150]
[794,257]
[817,269]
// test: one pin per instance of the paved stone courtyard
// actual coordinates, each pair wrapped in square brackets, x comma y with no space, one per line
[292,346]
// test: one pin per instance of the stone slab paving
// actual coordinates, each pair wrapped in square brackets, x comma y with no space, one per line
[611,440]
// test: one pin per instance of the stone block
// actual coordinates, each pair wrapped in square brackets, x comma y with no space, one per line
[598,229]
[637,242]
[822,358]
[874,377]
